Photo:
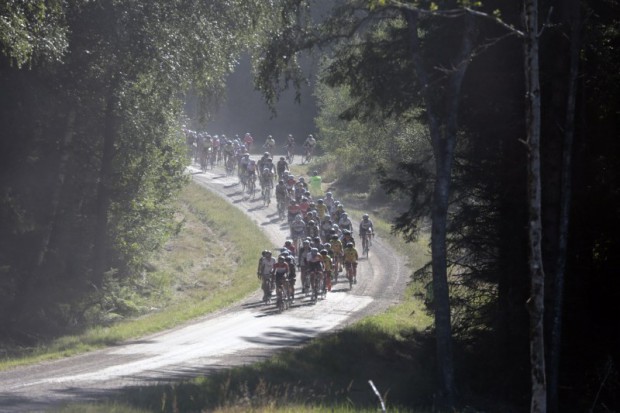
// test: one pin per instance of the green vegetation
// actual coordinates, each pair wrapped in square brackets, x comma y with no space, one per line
[196,272]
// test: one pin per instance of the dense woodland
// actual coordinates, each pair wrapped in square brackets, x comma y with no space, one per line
[423,105]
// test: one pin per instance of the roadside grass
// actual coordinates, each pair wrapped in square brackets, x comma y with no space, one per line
[207,266]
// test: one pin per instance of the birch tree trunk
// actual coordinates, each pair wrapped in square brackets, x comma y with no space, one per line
[535,303]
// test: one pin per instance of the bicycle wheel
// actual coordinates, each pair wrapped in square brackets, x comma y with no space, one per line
[280,300]
[315,287]
[350,276]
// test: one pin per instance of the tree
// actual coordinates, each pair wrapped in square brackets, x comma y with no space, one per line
[96,152]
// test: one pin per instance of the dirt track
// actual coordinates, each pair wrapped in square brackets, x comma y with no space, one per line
[241,334]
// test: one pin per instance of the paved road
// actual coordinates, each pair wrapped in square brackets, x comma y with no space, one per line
[241,334]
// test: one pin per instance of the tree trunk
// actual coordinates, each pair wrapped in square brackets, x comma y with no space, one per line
[443,127]
[565,197]
[103,191]
[56,196]
[537,275]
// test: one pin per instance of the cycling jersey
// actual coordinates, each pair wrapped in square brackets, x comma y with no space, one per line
[366,226]
[350,255]
[336,246]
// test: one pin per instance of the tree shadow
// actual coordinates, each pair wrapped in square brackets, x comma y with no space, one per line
[330,371]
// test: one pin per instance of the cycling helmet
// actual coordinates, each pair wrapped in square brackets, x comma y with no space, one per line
[267,253]
[265,170]
[288,242]
[314,251]
[349,245]
[344,215]
[288,258]
[281,258]
[334,237]
[327,246]
[297,217]
[316,239]
[311,222]
[320,202]
[282,158]
[264,253]
[365,216]
[302,179]
[315,173]
[346,232]
[266,154]
[281,182]
[323,252]
[329,194]
[306,242]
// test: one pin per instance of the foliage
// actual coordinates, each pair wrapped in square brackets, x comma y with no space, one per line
[95,153]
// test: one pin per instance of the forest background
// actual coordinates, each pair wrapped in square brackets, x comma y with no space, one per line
[92,154]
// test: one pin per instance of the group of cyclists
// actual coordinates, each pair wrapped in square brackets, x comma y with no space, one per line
[210,150]
[321,243]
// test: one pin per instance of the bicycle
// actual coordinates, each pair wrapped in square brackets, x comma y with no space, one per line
[349,269]
[283,296]
[267,194]
[230,166]
[267,287]
[281,203]
[316,282]
[337,267]
[203,160]
[307,156]
[290,154]
[366,243]
[251,185]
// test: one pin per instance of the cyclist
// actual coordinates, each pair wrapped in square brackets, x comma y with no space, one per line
[269,143]
[293,210]
[350,258]
[327,265]
[345,222]
[315,182]
[281,192]
[314,262]
[304,205]
[248,140]
[292,275]
[338,213]
[264,272]
[312,230]
[280,272]
[326,226]
[336,247]
[290,147]
[288,244]
[281,167]
[366,226]
[303,263]
[298,228]
[322,209]
[347,237]
[329,202]
[309,144]
[266,179]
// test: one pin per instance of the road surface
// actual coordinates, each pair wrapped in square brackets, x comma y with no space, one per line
[241,334]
